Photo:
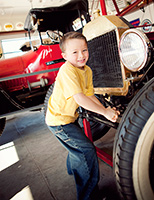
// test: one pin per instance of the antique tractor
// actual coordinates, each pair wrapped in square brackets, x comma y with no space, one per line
[122,61]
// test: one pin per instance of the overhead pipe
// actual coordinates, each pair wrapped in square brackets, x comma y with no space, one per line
[123,12]
[103,7]
[128,8]
[116,6]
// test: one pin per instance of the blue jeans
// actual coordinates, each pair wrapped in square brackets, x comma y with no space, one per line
[82,159]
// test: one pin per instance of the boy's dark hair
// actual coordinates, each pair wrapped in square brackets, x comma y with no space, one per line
[68,36]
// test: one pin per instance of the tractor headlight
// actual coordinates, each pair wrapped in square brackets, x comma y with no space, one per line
[134,49]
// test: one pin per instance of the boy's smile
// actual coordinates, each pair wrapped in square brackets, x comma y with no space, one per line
[76,52]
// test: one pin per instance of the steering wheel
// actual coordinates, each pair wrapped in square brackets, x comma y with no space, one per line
[54,36]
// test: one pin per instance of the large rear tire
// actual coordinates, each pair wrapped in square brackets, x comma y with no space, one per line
[2,125]
[143,173]
[48,94]
[127,142]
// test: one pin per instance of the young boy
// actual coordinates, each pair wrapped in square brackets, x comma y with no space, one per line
[73,88]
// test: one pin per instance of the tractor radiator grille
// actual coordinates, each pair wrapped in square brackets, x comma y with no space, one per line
[104,61]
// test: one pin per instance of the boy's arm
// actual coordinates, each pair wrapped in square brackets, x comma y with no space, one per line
[93,104]
[93,97]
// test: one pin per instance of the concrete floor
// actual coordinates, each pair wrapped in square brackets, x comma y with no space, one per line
[33,163]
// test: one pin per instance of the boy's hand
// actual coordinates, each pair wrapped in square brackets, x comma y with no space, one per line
[93,104]
[112,114]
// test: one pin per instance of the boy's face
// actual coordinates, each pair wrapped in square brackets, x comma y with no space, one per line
[76,52]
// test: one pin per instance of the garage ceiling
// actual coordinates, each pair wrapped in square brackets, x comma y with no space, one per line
[13,12]
[23,6]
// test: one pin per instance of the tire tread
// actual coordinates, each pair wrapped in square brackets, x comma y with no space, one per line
[132,123]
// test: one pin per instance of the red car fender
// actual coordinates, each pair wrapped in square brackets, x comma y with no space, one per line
[33,61]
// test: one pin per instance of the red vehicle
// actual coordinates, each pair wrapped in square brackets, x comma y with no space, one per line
[24,80]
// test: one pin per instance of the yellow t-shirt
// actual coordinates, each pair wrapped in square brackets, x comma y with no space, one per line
[69,81]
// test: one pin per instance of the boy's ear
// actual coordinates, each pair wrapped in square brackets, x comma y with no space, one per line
[63,55]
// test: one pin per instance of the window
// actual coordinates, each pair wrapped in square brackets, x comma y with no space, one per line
[11,47]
